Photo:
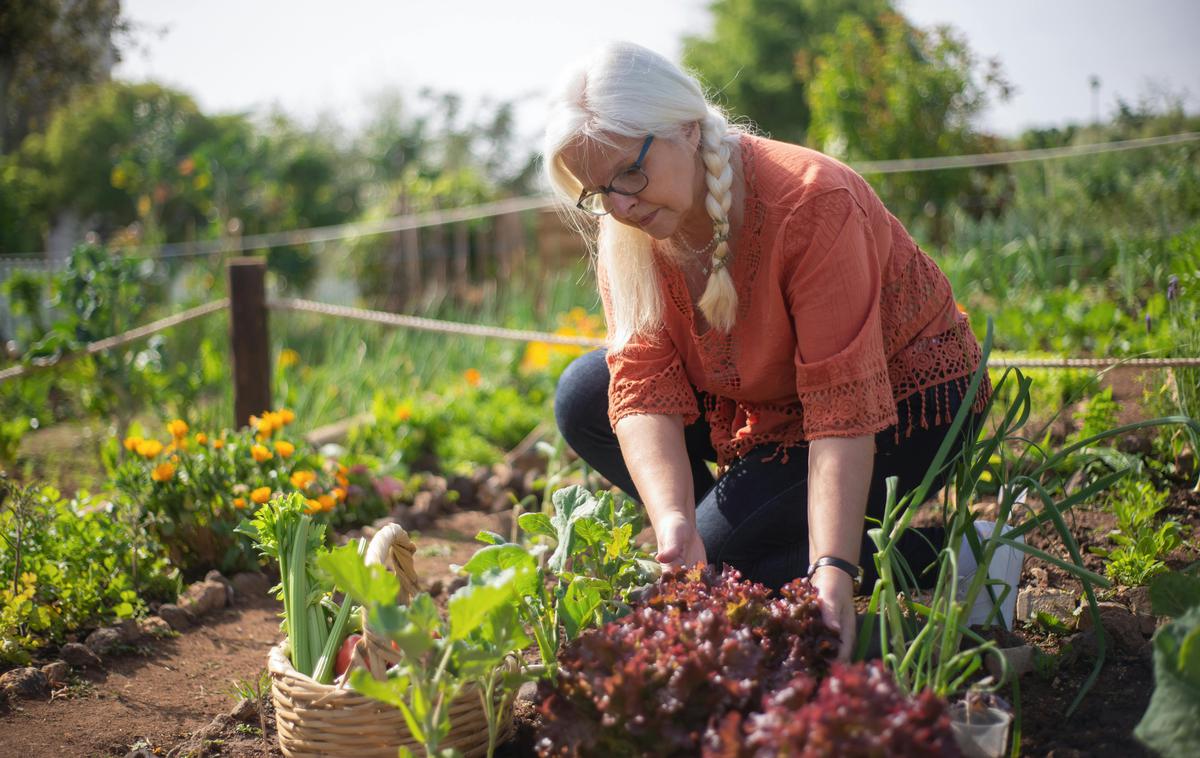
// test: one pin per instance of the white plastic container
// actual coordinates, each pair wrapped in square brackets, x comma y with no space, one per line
[980,733]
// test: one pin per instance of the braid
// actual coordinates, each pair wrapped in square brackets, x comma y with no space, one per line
[719,301]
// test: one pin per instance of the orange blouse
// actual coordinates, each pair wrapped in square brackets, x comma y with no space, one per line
[841,317]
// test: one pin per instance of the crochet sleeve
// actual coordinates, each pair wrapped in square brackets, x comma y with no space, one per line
[832,284]
[646,376]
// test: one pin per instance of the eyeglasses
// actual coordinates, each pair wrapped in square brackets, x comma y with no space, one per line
[629,182]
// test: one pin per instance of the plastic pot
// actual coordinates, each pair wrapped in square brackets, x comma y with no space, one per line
[980,733]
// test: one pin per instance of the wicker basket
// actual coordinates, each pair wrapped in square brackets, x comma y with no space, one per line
[332,720]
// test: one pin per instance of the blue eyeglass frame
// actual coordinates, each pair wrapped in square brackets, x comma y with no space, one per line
[636,165]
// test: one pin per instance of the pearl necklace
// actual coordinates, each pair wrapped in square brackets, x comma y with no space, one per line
[717,239]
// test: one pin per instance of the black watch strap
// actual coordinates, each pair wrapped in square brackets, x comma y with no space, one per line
[855,572]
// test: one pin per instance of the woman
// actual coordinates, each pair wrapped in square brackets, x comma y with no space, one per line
[765,312]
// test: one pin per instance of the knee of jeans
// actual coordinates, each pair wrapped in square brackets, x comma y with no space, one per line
[580,393]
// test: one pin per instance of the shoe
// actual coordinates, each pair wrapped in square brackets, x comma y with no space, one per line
[1006,566]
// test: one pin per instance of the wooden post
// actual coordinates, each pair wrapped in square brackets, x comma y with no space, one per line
[248,343]
[462,257]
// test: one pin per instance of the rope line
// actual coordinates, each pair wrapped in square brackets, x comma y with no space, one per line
[124,338]
[539,202]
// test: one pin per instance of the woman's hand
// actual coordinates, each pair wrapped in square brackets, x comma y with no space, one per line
[678,541]
[835,590]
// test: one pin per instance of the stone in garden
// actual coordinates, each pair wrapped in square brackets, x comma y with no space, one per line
[503,475]
[155,626]
[481,475]
[57,673]
[1122,627]
[129,630]
[527,693]
[217,576]
[424,506]
[25,682]
[436,588]
[252,584]
[1034,600]
[1020,661]
[246,711]
[104,640]
[79,655]
[1082,644]
[203,597]
[465,487]
[1139,603]
[435,484]
[178,618]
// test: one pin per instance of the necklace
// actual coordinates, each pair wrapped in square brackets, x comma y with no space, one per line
[701,254]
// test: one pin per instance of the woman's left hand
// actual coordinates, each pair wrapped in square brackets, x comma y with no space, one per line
[835,591]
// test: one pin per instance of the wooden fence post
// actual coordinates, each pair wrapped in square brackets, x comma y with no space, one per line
[248,343]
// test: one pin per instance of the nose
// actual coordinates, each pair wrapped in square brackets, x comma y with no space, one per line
[622,205]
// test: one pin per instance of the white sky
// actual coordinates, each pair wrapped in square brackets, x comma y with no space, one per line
[311,57]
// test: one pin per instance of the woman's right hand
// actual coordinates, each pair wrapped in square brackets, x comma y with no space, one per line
[679,543]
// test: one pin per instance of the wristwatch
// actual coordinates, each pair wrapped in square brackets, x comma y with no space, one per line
[855,572]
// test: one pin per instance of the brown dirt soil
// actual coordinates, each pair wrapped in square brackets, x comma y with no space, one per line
[162,692]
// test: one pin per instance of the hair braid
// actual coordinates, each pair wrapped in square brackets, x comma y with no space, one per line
[719,301]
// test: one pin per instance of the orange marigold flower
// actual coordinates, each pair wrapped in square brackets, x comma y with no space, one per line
[340,494]
[239,503]
[286,416]
[327,502]
[403,413]
[201,438]
[131,443]
[163,472]
[473,376]
[177,428]
[961,308]
[342,480]
[149,448]
[314,506]
[261,454]
[303,479]
[285,449]
[261,495]
[218,444]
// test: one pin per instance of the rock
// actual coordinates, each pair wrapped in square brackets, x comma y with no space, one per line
[1082,645]
[528,692]
[129,630]
[481,475]
[245,711]
[141,752]
[425,506]
[252,584]
[436,588]
[202,598]
[465,487]
[435,484]
[178,618]
[79,656]
[456,584]
[104,640]
[217,576]
[1139,603]
[155,626]
[1020,661]
[1034,600]
[503,476]
[57,673]
[26,682]
[215,727]
[1121,625]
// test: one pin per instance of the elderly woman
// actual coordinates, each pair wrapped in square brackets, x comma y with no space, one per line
[765,312]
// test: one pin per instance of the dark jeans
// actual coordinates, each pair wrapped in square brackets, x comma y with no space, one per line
[755,517]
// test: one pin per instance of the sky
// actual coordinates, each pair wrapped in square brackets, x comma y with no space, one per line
[313,58]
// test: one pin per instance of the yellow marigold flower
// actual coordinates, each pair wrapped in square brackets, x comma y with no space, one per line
[403,413]
[261,495]
[131,443]
[163,472]
[285,449]
[314,506]
[261,454]
[201,438]
[239,503]
[473,377]
[175,459]
[537,356]
[339,494]
[288,358]
[961,308]
[178,428]
[287,416]
[303,479]
[149,448]
[218,444]
[327,502]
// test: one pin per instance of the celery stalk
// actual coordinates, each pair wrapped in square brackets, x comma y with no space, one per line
[324,670]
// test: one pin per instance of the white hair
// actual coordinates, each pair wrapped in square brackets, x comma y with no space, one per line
[625,90]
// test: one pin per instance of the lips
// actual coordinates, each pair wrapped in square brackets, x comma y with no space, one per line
[647,218]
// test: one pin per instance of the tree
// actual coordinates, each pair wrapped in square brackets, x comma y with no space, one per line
[760,51]
[48,48]
[888,90]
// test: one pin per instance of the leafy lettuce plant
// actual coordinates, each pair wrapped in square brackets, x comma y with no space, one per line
[1171,725]
[661,679]
[586,579]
